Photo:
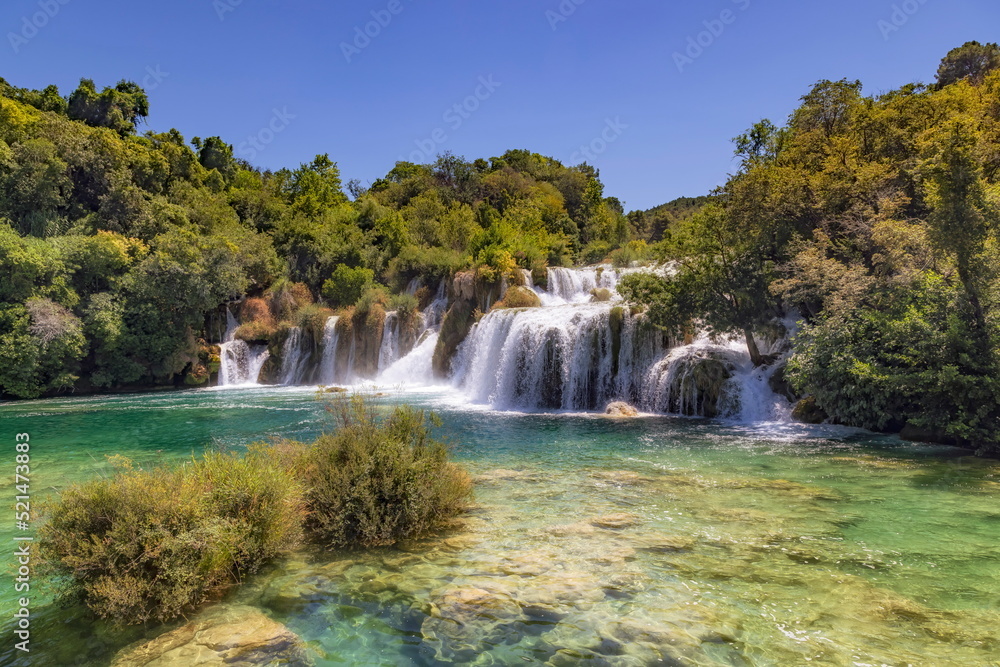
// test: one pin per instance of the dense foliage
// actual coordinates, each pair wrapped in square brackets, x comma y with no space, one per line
[116,247]
[152,544]
[876,219]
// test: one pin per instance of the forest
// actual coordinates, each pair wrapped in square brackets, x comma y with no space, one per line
[866,226]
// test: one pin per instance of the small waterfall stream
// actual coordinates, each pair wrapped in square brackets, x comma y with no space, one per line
[327,374]
[294,357]
[240,363]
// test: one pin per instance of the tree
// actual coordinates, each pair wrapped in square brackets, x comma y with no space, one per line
[214,153]
[347,284]
[722,279]
[972,62]
[315,187]
[119,108]
[961,216]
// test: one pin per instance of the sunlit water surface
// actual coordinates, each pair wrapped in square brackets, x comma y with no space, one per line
[593,541]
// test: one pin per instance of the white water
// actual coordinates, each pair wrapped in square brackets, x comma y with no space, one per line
[562,356]
[416,367]
[240,363]
[389,351]
[574,285]
[294,357]
[328,361]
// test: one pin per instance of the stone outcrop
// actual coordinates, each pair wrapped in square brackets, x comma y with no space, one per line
[222,636]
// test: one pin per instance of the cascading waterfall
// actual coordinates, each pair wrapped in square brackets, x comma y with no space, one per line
[240,363]
[563,357]
[328,360]
[434,313]
[294,357]
[389,351]
[575,285]
[574,354]
[414,368]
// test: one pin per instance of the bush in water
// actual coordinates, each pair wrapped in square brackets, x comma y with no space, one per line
[374,482]
[152,544]
[149,544]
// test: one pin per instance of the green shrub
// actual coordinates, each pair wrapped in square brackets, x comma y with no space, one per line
[151,544]
[347,285]
[313,318]
[373,482]
[256,332]
[519,297]
[595,252]
[630,253]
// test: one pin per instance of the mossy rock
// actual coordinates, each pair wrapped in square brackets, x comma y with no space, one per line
[197,376]
[780,385]
[600,295]
[807,412]
[457,324]
[519,297]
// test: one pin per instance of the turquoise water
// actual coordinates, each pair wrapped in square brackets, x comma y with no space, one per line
[593,541]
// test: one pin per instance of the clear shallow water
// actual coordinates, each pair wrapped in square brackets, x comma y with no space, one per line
[593,541]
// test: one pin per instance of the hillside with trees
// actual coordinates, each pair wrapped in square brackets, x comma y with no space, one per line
[118,248]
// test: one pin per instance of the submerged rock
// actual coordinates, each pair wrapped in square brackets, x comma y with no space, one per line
[616,521]
[465,622]
[621,409]
[231,636]
[620,477]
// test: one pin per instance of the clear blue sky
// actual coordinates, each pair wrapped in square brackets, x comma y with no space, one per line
[558,86]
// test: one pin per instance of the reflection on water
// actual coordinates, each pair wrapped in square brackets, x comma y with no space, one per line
[596,541]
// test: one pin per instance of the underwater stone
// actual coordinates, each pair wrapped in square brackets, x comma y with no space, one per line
[230,636]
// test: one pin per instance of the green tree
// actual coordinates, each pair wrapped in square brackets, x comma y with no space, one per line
[347,284]
[120,108]
[970,62]
[961,217]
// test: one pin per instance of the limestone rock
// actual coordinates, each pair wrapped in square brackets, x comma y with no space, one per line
[620,409]
[616,521]
[225,636]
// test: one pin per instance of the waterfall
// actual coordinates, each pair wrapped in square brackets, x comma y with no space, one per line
[575,354]
[713,379]
[561,357]
[328,361]
[575,285]
[434,313]
[389,351]
[240,362]
[414,368]
[294,356]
